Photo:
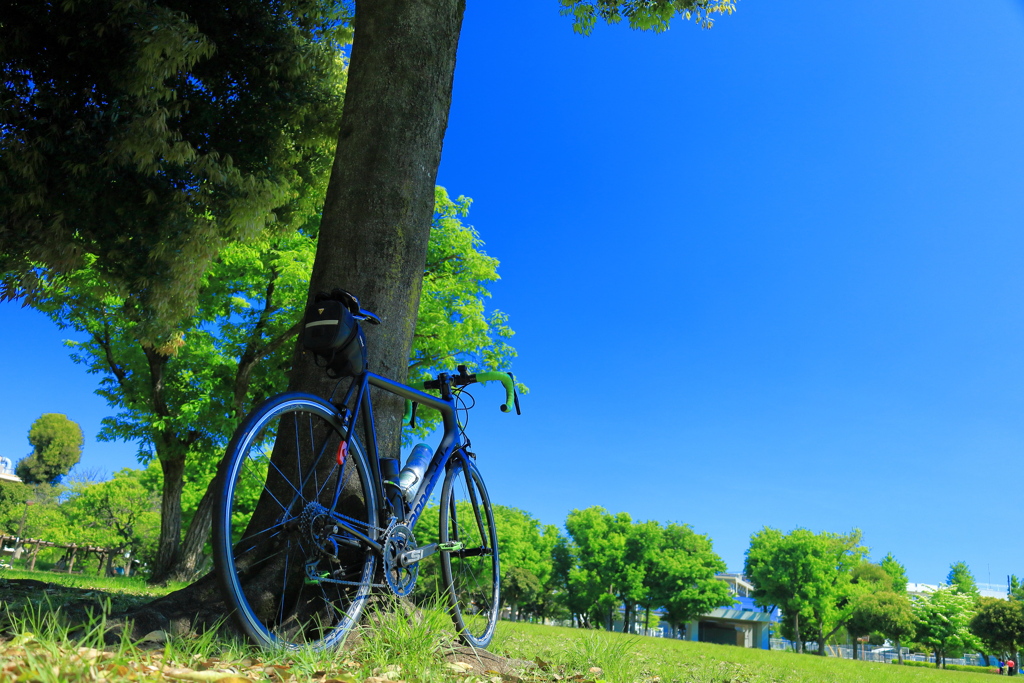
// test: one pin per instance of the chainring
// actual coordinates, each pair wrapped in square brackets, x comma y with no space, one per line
[401,580]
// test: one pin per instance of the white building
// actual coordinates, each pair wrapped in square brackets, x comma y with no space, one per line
[7,470]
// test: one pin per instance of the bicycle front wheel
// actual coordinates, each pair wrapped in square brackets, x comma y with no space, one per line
[469,553]
[286,547]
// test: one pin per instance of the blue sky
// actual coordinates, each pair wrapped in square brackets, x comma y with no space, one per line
[766,274]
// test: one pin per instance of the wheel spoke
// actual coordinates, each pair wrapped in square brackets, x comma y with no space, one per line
[285,449]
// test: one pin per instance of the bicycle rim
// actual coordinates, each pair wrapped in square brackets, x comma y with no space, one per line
[470,568]
[276,518]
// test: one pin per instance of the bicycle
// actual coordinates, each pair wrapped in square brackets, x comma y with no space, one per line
[310,521]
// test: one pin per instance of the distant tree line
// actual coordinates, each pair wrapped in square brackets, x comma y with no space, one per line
[829,592]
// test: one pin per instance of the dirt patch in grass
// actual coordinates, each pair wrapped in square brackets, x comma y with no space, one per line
[75,605]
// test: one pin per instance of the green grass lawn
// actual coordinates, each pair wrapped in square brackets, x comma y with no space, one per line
[35,646]
[570,652]
[118,584]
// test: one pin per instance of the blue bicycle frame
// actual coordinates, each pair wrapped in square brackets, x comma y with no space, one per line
[450,441]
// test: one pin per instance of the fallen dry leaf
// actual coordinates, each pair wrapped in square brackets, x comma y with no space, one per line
[87,654]
[202,676]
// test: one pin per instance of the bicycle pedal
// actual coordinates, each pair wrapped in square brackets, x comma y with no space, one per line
[453,546]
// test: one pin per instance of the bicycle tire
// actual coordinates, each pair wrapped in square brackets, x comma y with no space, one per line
[471,574]
[270,525]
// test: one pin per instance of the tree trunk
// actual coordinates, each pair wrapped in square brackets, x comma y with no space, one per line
[170,518]
[191,551]
[380,199]
[110,561]
[899,651]
[821,646]
[377,215]
[796,633]
[187,567]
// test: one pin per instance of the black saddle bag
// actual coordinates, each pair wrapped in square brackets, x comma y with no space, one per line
[333,334]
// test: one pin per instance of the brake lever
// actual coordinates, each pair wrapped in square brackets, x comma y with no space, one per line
[515,394]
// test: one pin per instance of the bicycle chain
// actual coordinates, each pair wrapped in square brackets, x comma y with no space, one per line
[311,522]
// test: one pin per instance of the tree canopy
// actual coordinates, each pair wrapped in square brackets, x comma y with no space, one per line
[120,514]
[56,448]
[896,571]
[808,576]
[943,623]
[885,612]
[643,15]
[1015,589]
[613,561]
[149,134]
[682,579]
[999,624]
[962,580]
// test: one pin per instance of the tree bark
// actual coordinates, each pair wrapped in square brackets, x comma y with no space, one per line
[170,517]
[796,633]
[187,567]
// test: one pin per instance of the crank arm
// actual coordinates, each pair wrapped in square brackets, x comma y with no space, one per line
[413,556]
[417,554]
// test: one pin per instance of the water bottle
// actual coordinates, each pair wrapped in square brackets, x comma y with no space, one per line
[412,474]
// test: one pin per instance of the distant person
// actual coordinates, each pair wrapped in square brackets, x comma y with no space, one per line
[1011,668]
[1002,666]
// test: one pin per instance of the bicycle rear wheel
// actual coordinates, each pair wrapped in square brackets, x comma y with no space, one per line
[469,553]
[288,564]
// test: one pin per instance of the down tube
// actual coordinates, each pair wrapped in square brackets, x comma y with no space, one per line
[448,441]
[433,473]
